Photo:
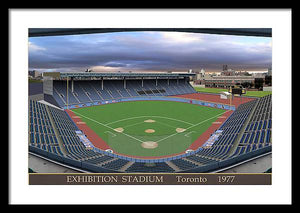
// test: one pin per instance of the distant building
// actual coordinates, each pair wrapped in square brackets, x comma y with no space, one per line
[34,74]
[229,77]
[270,71]
[242,72]
[202,72]
[199,77]
[228,72]
[259,75]
[226,81]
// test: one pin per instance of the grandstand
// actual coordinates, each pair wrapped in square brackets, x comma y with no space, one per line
[246,133]
[109,86]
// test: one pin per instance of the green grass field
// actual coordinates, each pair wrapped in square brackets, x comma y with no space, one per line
[248,93]
[164,117]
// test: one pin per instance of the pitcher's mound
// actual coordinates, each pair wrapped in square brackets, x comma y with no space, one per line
[120,129]
[149,121]
[149,145]
[180,130]
[149,130]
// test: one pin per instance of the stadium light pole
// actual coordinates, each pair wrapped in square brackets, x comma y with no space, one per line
[67,92]
[241,99]
[230,96]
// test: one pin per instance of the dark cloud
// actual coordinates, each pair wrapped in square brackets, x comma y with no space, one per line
[149,51]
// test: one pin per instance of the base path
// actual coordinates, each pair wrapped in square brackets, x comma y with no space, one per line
[205,135]
[90,134]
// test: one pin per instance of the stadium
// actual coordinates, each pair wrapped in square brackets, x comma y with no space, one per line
[144,123]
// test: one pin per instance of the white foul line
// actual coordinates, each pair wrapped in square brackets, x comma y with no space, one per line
[108,126]
[190,127]
[146,116]
[186,135]
[114,135]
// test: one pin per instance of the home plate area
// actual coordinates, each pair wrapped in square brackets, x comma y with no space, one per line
[149,145]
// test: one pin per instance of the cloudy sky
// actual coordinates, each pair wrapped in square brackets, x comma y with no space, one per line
[149,51]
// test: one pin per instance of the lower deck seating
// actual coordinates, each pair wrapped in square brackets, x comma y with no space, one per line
[41,131]
[147,167]
[257,134]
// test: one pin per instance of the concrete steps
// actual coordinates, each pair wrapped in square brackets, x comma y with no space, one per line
[126,166]
[173,166]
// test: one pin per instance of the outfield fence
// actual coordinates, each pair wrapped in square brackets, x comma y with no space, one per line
[154,98]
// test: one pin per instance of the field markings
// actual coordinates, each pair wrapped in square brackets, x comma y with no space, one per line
[187,134]
[133,124]
[114,135]
[190,127]
[145,116]
[166,124]
[108,126]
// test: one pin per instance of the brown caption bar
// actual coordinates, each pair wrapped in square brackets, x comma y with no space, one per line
[150,179]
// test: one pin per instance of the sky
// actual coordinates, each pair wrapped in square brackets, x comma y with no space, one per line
[149,51]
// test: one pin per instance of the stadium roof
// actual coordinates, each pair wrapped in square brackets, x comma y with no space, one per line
[98,74]
[265,32]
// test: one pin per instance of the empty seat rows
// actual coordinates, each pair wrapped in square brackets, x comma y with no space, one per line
[89,91]
[248,148]
[144,167]
[258,130]
[41,133]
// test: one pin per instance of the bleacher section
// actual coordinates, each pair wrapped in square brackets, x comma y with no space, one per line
[85,91]
[52,130]
[220,150]
[258,131]
[41,131]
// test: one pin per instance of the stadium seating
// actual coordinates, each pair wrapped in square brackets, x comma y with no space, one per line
[41,131]
[258,131]
[89,91]
[144,167]
[223,148]
[51,130]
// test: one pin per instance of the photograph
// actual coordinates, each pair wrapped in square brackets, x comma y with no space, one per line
[153,101]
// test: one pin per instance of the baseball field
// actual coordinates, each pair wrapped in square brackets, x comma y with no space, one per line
[148,128]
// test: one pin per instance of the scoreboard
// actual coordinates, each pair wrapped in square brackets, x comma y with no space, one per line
[237,90]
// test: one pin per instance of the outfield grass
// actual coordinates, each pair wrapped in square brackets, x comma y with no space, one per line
[248,93]
[34,81]
[131,116]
